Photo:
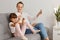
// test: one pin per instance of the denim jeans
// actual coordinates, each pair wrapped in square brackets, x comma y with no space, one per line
[41,27]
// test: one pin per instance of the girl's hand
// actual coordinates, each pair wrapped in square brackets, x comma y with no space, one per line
[13,25]
[18,17]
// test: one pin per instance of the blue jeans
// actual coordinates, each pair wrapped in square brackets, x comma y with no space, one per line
[41,27]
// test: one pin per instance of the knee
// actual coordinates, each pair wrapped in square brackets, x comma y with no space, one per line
[23,22]
[40,24]
[17,24]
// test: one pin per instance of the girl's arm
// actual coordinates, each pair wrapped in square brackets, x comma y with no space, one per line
[17,27]
[12,28]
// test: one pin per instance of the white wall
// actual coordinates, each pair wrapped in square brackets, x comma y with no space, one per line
[32,7]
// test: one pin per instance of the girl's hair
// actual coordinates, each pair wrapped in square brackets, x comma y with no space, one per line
[12,15]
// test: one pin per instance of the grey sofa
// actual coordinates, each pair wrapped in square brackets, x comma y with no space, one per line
[5,33]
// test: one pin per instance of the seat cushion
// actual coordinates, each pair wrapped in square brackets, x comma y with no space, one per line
[5,31]
[29,36]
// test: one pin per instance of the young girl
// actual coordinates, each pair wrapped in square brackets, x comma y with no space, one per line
[18,26]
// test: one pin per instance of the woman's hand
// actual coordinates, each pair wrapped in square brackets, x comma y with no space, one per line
[34,18]
[36,31]
[40,12]
[33,24]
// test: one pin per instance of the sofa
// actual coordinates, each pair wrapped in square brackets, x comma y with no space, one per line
[5,33]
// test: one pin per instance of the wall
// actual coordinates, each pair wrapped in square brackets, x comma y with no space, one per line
[33,7]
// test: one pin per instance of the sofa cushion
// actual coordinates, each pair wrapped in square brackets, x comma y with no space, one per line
[29,36]
[5,31]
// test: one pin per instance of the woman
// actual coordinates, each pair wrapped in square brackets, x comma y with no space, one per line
[38,26]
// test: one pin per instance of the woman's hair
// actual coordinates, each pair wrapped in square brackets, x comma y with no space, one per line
[12,15]
[19,3]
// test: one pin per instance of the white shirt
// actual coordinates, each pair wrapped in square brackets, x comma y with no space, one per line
[24,15]
[11,27]
[15,30]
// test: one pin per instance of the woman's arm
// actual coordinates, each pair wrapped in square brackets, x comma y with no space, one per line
[32,29]
[34,18]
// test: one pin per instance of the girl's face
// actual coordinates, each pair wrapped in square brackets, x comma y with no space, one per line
[14,20]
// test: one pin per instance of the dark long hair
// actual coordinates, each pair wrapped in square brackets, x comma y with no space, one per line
[12,15]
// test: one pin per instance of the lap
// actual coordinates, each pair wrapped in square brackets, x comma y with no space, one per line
[38,26]
[28,31]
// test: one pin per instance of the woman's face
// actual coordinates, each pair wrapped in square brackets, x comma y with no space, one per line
[19,7]
[14,20]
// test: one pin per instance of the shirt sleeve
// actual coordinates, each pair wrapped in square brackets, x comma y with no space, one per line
[11,27]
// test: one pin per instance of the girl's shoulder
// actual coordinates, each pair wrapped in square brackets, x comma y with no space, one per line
[10,23]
